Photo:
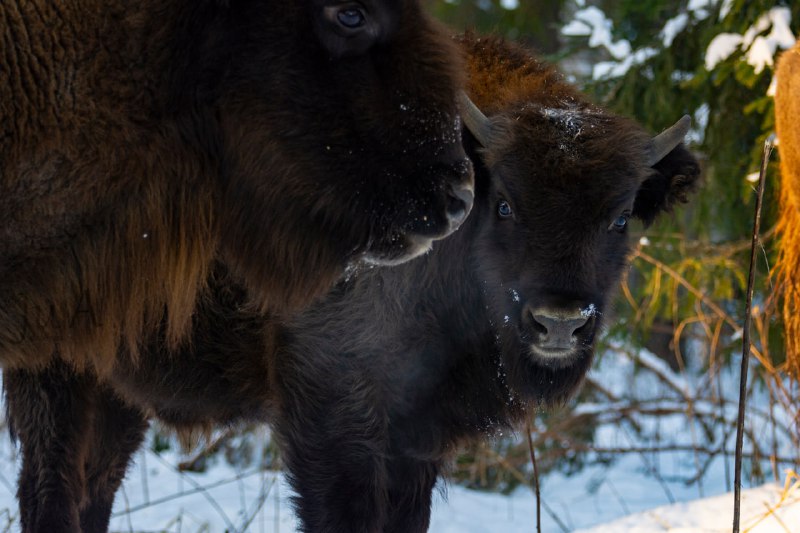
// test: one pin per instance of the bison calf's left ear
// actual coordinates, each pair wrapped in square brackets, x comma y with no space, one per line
[674,178]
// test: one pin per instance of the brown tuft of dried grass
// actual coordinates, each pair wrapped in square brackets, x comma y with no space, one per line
[787,109]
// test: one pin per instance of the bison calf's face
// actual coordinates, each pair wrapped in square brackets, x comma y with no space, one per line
[564,185]
[343,143]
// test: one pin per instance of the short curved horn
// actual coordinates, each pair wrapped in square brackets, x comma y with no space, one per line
[667,140]
[475,121]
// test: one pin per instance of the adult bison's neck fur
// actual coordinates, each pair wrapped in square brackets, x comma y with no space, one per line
[102,224]
[109,174]
[132,156]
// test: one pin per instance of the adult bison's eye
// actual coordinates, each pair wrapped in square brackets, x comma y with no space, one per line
[351,17]
[620,223]
[503,209]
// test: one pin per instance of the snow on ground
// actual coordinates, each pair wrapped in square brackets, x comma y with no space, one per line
[640,492]
[157,498]
[769,508]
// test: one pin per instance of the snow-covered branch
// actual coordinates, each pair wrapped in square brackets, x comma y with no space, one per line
[759,45]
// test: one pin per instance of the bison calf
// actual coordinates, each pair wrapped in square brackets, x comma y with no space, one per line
[140,141]
[371,390]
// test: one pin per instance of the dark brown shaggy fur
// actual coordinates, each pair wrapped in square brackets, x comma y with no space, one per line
[140,141]
[372,389]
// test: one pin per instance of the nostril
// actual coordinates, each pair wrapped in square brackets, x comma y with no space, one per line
[582,324]
[578,324]
[572,325]
[459,203]
[538,325]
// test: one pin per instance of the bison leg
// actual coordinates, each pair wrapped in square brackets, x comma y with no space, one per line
[76,438]
[50,413]
[118,432]
[410,489]
[337,493]
[335,454]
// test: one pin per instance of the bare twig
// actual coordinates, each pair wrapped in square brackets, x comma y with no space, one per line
[519,476]
[259,503]
[203,490]
[198,489]
[528,431]
[737,484]
[193,464]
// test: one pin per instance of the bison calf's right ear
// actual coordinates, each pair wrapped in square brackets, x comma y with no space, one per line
[674,177]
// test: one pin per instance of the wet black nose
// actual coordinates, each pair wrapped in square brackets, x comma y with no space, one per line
[459,204]
[557,330]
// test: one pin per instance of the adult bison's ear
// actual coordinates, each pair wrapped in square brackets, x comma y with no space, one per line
[676,174]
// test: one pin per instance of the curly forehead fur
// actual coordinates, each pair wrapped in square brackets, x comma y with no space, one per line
[537,114]
[543,124]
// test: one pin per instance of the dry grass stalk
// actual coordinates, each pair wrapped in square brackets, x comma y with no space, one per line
[790,495]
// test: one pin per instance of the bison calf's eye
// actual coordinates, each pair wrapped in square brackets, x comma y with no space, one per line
[620,223]
[351,18]
[504,210]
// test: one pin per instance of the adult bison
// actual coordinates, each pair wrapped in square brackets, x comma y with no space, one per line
[141,140]
[371,389]
[787,111]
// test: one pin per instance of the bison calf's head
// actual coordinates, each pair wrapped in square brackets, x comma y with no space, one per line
[562,184]
[342,140]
